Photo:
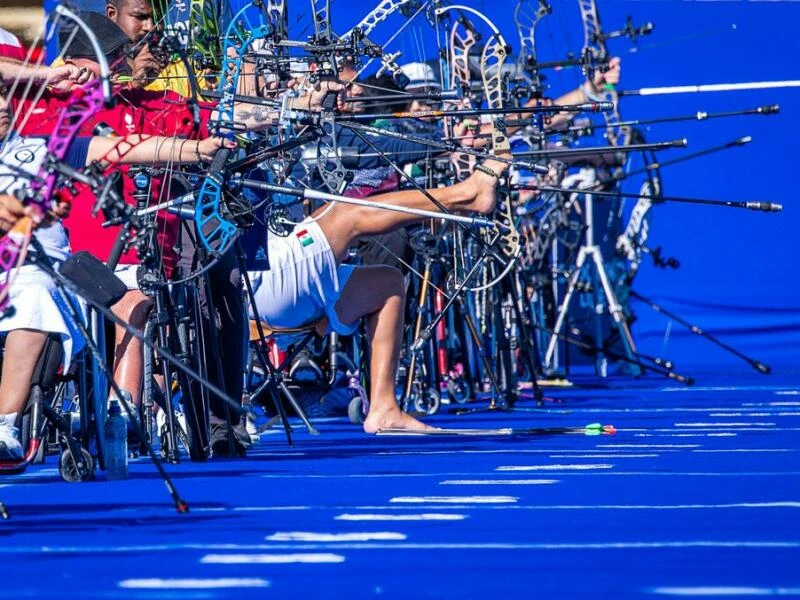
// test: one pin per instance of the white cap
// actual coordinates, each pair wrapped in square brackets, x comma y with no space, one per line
[420,76]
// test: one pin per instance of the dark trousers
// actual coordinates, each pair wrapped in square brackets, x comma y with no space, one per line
[222,327]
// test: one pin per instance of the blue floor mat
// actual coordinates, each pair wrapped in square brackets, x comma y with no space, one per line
[698,494]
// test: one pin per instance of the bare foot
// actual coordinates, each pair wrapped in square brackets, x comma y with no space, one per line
[394,418]
[483,187]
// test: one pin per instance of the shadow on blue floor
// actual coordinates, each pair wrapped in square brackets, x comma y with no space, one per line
[697,494]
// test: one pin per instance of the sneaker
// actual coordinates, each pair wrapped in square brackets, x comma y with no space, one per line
[10,446]
[219,441]
[252,430]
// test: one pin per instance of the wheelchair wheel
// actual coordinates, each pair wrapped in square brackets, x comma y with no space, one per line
[427,402]
[74,471]
[355,410]
[458,391]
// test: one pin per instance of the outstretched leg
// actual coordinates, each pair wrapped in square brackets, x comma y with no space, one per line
[378,292]
[343,223]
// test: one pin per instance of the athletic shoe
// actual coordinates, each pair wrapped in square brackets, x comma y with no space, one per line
[220,446]
[10,446]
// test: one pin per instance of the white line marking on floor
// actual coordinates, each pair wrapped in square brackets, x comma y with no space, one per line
[603,455]
[553,467]
[729,388]
[270,559]
[724,450]
[259,508]
[454,499]
[725,591]
[498,482]
[648,446]
[789,393]
[787,403]
[712,429]
[193,584]
[740,414]
[115,549]
[310,536]
[686,435]
[726,425]
[420,517]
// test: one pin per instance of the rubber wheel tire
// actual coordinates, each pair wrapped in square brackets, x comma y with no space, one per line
[458,391]
[69,471]
[355,411]
[428,402]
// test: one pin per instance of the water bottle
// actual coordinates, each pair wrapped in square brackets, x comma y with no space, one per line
[115,431]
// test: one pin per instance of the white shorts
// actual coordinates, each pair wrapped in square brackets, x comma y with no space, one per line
[303,283]
[128,275]
[40,307]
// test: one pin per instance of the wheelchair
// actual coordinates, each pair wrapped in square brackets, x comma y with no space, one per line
[46,423]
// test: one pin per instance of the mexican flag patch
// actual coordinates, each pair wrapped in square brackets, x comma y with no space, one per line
[304,237]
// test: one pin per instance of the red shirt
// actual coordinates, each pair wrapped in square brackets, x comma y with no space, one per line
[136,111]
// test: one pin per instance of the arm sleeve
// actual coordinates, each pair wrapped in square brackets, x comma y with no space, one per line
[400,151]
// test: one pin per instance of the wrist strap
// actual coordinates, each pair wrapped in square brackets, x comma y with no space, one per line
[487,170]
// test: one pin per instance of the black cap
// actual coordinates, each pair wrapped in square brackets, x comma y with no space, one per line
[110,37]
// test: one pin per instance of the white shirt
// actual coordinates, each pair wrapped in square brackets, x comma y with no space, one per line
[27,155]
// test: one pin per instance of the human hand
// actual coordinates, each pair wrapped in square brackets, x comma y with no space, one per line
[315,99]
[466,132]
[66,76]
[610,77]
[59,211]
[66,72]
[11,211]
[208,147]
[145,67]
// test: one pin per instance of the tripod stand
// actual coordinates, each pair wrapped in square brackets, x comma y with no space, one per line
[274,383]
[590,255]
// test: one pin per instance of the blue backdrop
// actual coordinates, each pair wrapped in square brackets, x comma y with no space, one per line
[738,269]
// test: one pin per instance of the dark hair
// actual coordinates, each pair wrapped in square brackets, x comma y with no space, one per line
[380,86]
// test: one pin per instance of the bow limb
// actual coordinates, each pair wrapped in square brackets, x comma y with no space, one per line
[204,34]
[595,53]
[493,57]
[214,230]
[375,17]
[527,19]
[39,198]
[463,37]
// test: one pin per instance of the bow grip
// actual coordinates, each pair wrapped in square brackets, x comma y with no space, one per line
[329,101]
[218,164]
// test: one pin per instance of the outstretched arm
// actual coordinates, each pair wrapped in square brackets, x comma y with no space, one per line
[12,70]
[154,150]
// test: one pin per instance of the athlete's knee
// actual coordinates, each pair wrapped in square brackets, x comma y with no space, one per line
[393,282]
[133,307]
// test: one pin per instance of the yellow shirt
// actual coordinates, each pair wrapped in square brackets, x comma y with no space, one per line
[175,78]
